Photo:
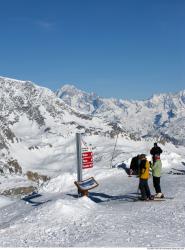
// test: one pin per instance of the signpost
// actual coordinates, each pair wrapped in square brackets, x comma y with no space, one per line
[79,158]
[84,160]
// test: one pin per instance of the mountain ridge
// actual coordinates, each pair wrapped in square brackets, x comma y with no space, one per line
[27,104]
[155,116]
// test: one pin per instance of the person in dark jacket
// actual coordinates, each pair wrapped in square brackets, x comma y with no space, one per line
[155,151]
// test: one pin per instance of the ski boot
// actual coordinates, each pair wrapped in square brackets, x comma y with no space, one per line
[159,195]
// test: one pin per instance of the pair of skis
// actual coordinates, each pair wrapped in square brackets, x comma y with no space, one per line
[155,199]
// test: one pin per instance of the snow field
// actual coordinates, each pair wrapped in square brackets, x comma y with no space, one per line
[109,217]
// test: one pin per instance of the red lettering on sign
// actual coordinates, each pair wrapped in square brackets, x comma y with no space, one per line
[89,165]
[87,159]
[87,154]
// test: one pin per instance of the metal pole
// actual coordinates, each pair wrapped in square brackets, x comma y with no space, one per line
[114,150]
[79,156]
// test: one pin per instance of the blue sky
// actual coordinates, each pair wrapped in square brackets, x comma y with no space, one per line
[127,49]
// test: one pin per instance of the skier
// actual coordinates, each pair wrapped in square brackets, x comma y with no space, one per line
[155,151]
[156,173]
[143,178]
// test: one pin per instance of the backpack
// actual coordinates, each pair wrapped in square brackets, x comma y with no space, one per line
[134,165]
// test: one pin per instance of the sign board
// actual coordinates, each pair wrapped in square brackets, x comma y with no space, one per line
[87,184]
[87,158]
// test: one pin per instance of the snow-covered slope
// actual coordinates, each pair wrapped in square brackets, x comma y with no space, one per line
[109,217]
[161,116]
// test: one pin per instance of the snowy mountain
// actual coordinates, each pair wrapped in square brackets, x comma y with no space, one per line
[37,109]
[34,124]
[162,116]
[80,100]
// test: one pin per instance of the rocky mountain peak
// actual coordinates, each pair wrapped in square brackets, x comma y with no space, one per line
[158,115]
[80,100]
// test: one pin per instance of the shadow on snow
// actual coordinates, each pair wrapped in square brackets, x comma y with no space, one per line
[32,196]
[101,197]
